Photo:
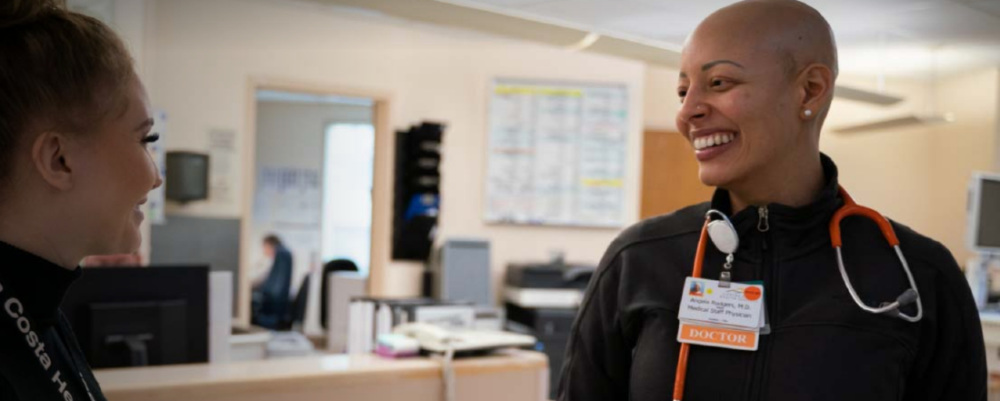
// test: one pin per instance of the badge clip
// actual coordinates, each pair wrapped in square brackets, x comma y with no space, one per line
[725,238]
[726,276]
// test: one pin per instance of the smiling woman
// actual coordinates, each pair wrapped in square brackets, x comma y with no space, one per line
[74,172]
[756,83]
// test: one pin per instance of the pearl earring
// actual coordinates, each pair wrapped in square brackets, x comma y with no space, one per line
[808,113]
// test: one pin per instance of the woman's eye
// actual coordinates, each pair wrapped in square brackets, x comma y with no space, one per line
[720,83]
[150,138]
[681,93]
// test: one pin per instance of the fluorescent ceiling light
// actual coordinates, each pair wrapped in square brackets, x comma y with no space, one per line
[897,122]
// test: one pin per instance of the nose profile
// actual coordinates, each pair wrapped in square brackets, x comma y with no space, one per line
[159,180]
[692,109]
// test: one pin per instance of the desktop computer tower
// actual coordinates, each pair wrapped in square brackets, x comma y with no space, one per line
[460,271]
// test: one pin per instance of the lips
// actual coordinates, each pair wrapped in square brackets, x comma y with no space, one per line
[137,211]
[711,142]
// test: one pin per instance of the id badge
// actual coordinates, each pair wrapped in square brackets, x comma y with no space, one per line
[728,316]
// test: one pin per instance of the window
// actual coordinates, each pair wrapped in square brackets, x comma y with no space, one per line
[349,157]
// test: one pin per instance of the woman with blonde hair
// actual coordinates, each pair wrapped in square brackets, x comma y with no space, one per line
[74,171]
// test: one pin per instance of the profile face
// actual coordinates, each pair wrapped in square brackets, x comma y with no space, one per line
[116,174]
[737,103]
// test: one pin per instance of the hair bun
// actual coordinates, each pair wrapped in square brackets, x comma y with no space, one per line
[19,12]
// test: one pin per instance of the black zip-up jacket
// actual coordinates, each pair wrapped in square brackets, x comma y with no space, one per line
[40,359]
[822,346]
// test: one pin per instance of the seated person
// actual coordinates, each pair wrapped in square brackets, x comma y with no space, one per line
[270,290]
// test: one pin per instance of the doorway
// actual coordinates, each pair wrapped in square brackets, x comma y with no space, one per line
[669,174]
[313,169]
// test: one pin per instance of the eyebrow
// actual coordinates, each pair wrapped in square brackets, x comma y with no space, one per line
[707,66]
[145,125]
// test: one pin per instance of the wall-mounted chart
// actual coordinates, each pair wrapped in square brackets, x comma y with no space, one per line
[556,153]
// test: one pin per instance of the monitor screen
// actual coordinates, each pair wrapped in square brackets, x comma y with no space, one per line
[137,333]
[187,176]
[134,316]
[988,234]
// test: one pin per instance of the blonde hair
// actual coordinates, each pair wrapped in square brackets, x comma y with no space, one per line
[60,70]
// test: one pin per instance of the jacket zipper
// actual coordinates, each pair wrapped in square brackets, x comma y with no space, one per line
[763,225]
[763,352]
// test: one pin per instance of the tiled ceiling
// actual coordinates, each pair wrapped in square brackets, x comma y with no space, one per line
[895,37]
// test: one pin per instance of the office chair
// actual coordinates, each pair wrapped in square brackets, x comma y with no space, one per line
[297,313]
[336,265]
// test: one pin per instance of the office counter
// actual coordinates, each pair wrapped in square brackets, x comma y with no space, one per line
[991,328]
[510,376]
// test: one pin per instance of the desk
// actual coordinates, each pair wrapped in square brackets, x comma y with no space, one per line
[510,375]
[991,339]
[991,328]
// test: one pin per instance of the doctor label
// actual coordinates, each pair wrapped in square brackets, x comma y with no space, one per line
[717,337]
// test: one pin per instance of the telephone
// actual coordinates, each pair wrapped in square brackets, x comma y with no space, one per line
[438,339]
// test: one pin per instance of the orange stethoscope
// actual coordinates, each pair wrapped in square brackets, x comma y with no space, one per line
[850,208]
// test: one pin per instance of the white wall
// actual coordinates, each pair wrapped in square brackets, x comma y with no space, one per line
[207,52]
[661,103]
[970,144]
[918,175]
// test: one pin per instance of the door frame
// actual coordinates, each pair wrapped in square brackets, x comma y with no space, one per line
[381,219]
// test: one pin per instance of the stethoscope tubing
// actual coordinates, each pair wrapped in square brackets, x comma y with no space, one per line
[895,305]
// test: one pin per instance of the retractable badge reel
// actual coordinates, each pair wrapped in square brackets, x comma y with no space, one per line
[725,238]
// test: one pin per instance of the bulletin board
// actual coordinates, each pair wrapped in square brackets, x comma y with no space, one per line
[556,153]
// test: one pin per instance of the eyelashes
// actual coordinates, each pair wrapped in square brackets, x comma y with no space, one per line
[716,84]
[151,138]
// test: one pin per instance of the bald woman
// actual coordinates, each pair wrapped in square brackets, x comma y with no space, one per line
[756,83]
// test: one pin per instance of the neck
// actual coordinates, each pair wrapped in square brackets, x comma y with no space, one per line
[795,182]
[38,233]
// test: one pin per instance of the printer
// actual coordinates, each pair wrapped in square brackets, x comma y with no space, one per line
[541,299]
[547,285]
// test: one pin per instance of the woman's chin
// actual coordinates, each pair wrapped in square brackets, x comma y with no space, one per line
[713,177]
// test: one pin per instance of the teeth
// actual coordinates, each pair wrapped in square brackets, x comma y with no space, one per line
[713,140]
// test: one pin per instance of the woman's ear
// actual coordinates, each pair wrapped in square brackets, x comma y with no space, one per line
[816,84]
[51,159]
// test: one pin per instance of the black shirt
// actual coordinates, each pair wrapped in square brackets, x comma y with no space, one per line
[40,359]
[822,346]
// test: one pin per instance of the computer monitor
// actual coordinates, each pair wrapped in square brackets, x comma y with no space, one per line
[187,176]
[983,234]
[137,316]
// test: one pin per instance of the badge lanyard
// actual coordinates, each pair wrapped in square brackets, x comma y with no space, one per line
[682,358]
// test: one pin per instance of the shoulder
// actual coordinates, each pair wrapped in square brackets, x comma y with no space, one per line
[684,221]
[932,263]
[647,234]
[924,249]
